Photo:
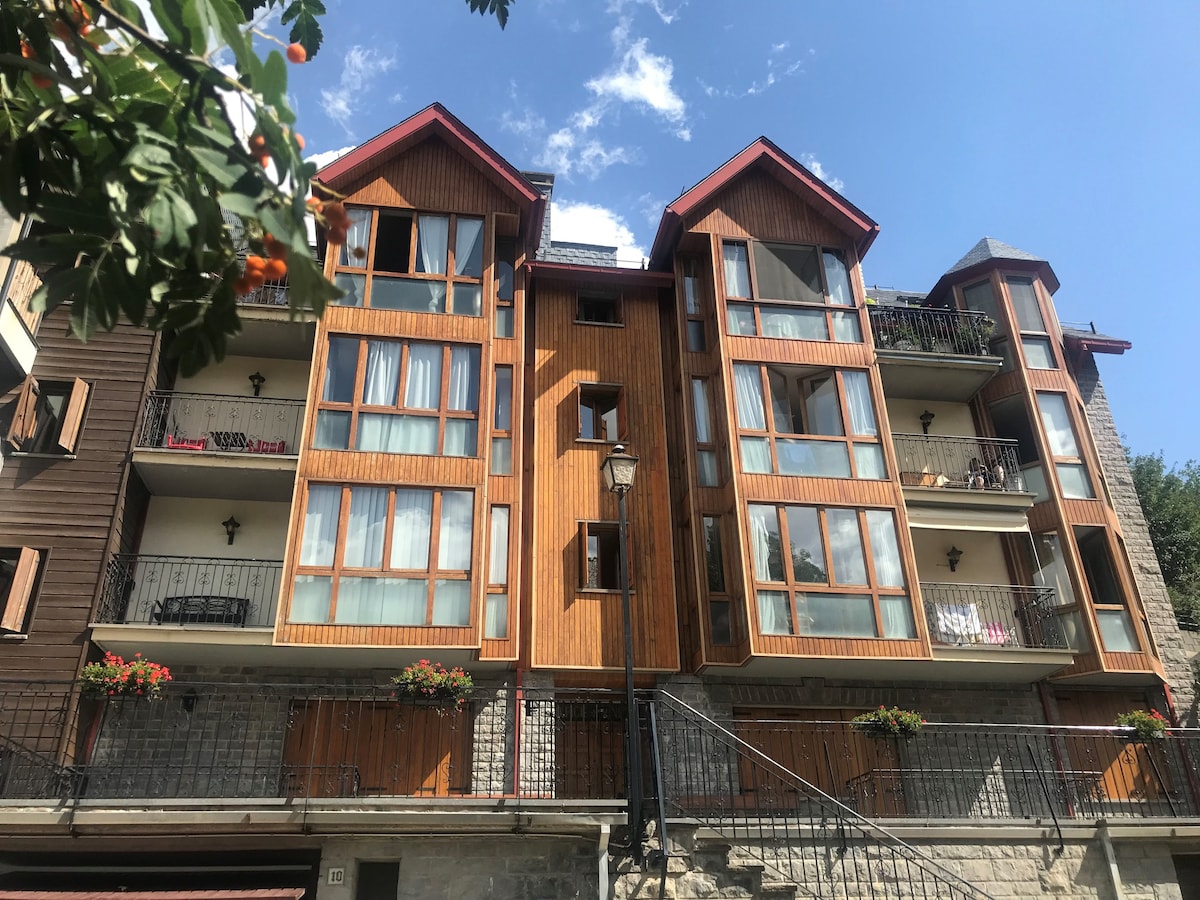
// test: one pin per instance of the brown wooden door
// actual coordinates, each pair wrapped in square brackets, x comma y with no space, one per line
[590,751]
[347,748]
[1120,770]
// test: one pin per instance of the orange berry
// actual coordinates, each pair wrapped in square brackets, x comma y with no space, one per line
[255,278]
[264,160]
[276,249]
[296,53]
[258,143]
[255,263]
[299,140]
[359,252]
[315,204]
[335,213]
[27,51]
[336,234]
[241,287]
[275,269]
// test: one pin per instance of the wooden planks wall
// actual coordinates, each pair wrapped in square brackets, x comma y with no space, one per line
[758,206]
[573,628]
[66,507]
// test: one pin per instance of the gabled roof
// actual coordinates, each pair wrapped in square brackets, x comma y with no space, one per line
[990,253]
[765,155]
[436,120]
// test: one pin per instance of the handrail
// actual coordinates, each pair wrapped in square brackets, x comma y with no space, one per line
[993,615]
[958,461]
[191,421]
[917,329]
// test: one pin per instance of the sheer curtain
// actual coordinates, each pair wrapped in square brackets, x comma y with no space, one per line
[381,384]
[838,279]
[495,624]
[884,549]
[432,235]
[845,546]
[765,543]
[1058,424]
[320,525]
[364,535]
[737,270]
[423,379]
[406,601]
[858,402]
[468,248]
[357,234]
[410,529]
[454,534]
[774,617]
[498,544]
[464,378]
[747,383]
[387,433]
[703,416]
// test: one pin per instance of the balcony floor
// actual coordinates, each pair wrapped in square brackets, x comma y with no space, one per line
[211,473]
[935,376]
[989,664]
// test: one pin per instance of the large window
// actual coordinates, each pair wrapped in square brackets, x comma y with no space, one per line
[1117,631]
[421,262]
[18,579]
[399,397]
[828,572]
[1073,476]
[48,416]
[789,291]
[1035,342]
[804,421]
[384,556]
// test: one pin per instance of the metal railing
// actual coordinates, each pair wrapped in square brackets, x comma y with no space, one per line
[189,590]
[267,295]
[969,463]
[713,777]
[953,331]
[313,741]
[252,425]
[993,615]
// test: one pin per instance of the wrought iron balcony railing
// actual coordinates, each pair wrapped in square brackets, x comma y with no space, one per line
[254,425]
[969,463]
[948,331]
[189,590]
[267,295]
[993,615]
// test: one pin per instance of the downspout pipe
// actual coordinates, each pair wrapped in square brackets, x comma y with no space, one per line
[602,863]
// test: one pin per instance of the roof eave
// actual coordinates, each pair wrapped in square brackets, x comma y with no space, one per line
[577,272]
[1040,266]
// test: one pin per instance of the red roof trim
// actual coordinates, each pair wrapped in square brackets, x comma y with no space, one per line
[1097,344]
[575,272]
[434,116]
[762,150]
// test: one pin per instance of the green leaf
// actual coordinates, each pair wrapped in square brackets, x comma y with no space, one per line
[307,286]
[273,83]
[224,171]
[306,31]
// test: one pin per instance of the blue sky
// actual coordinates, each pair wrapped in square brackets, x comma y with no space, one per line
[1070,130]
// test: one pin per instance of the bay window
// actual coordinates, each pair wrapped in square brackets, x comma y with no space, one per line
[399,397]
[795,420]
[385,556]
[828,572]
[1073,478]
[789,291]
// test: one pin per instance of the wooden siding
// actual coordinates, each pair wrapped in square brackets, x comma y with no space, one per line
[756,205]
[433,176]
[573,628]
[69,508]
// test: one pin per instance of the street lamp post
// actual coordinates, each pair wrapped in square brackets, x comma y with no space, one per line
[619,468]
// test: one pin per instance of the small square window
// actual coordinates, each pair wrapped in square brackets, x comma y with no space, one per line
[599,309]
[695,336]
[600,556]
[48,416]
[18,578]
[601,413]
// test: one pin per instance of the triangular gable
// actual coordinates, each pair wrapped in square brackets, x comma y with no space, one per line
[766,156]
[436,120]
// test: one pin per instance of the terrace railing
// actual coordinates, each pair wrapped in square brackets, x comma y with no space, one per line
[968,463]
[253,425]
[948,331]
[189,590]
[993,615]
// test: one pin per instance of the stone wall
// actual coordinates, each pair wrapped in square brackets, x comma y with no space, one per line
[1176,648]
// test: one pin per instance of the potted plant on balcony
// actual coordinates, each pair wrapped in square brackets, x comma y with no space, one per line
[884,722]
[971,337]
[433,684]
[114,677]
[1142,725]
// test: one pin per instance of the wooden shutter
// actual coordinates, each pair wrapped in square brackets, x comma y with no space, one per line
[24,422]
[583,558]
[20,591]
[72,420]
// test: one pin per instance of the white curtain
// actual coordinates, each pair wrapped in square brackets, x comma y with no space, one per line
[360,600]
[468,248]
[764,536]
[320,525]
[747,382]
[451,602]
[432,235]
[464,378]
[1058,424]
[845,328]
[381,385]
[884,550]
[756,455]
[423,380]
[384,433]
[364,535]
[737,270]
[703,414]
[858,403]
[774,617]
[495,624]
[410,530]
[501,456]
[454,535]
[796,324]
[498,546]
[462,437]
[310,598]
[845,546]
[838,279]
[897,617]
[357,235]
[406,601]
[502,420]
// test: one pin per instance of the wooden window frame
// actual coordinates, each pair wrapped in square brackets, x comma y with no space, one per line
[709,446]
[448,277]
[694,317]
[790,586]
[618,300]
[723,596]
[772,433]
[443,413]
[1020,334]
[16,604]
[495,587]
[1055,461]
[503,433]
[505,303]
[586,528]
[757,303]
[597,388]
[431,573]
[27,417]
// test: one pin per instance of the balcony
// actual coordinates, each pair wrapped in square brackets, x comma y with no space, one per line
[933,354]
[974,471]
[270,329]
[210,445]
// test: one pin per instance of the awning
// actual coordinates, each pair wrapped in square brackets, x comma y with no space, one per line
[1005,520]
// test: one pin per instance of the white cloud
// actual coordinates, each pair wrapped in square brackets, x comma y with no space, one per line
[640,77]
[566,152]
[651,208]
[777,70]
[810,162]
[328,156]
[587,223]
[362,65]
[526,123]
[667,16]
